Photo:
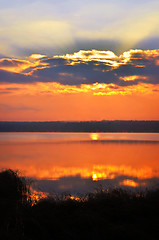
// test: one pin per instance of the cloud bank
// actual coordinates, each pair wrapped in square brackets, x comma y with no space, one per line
[101,72]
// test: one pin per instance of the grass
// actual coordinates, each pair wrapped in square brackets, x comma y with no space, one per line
[106,214]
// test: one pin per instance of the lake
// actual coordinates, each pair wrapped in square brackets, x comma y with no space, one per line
[78,163]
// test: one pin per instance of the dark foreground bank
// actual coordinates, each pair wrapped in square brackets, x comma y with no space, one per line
[85,126]
[113,214]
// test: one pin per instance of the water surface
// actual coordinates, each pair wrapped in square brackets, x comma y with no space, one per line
[81,162]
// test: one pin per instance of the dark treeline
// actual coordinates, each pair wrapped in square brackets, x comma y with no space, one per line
[84,126]
[106,214]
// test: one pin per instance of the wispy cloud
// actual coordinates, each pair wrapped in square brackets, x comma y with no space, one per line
[20,107]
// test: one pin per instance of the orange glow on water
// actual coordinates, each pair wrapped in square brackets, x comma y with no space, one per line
[96,160]
[74,198]
[130,183]
[37,195]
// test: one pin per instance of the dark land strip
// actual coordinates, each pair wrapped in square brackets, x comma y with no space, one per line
[83,126]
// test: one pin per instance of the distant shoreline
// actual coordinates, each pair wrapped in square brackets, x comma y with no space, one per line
[82,126]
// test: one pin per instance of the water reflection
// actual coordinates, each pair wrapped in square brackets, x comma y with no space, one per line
[94,136]
[131,183]
[81,162]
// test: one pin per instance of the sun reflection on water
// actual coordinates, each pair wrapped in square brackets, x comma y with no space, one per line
[94,136]
[94,177]
[36,195]
[131,183]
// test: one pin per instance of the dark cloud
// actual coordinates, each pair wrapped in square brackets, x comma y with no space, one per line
[81,73]
[86,68]
[54,61]
[4,92]
[148,43]
[149,71]
[10,77]
[144,58]
[4,107]
[11,63]
[11,88]
[7,90]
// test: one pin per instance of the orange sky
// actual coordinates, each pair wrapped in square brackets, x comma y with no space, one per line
[79,107]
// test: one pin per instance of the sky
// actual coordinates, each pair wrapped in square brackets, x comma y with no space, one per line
[79,60]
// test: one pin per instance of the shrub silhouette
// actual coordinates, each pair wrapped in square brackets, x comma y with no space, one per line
[14,195]
[106,214]
[12,187]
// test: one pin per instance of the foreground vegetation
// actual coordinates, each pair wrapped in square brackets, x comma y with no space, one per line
[103,215]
